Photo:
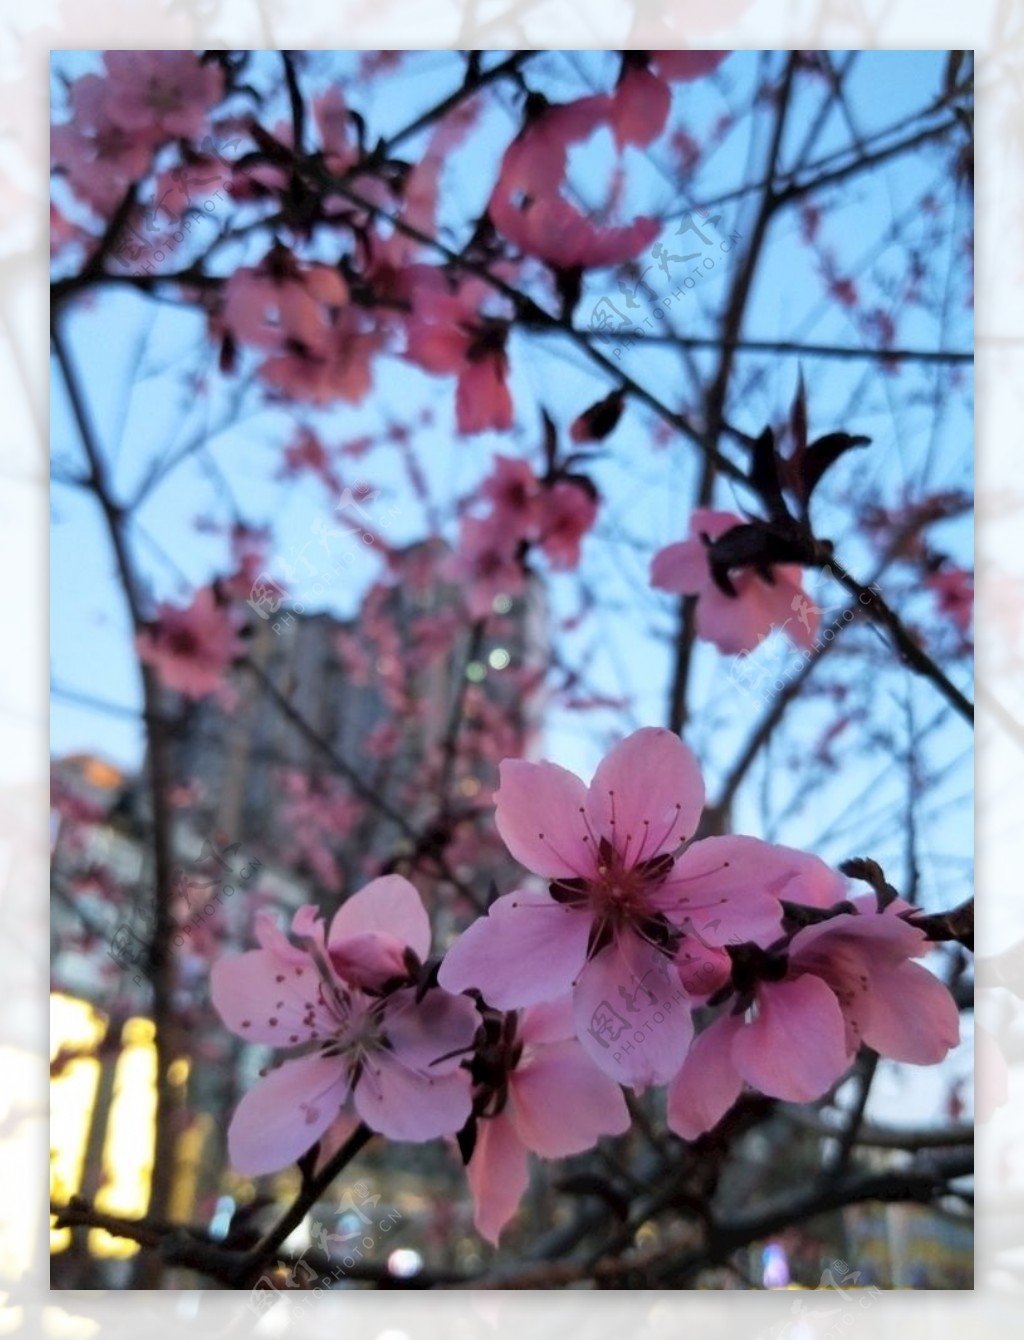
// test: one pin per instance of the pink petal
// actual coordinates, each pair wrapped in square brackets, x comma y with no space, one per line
[878,934]
[539,814]
[641,107]
[602,247]
[778,604]
[562,1104]
[723,890]
[550,1022]
[712,523]
[432,1034]
[498,1175]
[528,949]
[732,623]
[682,568]
[270,936]
[708,1084]
[688,64]
[369,960]
[436,348]
[482,398]
[647,794]
[804,615]
[264,998]
[410,1104]
[390,905]
[796,1047]
[632,1016]
[911,1014]
[340,1129]
[286,1113]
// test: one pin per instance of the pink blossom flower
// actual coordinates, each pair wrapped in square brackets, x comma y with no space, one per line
[640,106]
[447,333]
[622,898]
[487,564]
[553,514]
[281,301]
[954,592]
[686,65]
[794,1030]
[191,649]
[735,623]
[552,1100]
[340,370]
[99,158]
[512,489]
[162,95]
[527,205]
[368,1042]
[641,103]
[567,512]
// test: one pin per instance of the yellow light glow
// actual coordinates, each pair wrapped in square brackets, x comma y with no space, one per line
[128,1147]
[177,1071]
[188,1161]
[74,1026]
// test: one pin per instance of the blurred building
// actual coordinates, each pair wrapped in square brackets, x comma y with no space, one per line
[386,692]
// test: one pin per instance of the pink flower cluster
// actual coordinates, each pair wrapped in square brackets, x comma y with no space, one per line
[523,511]
[639,925]
[561,993]
[120,118]
[320,344]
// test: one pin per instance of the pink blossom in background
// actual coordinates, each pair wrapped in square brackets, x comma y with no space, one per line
[735,623]
[318,814]
[640,106]
[191,648]
[512,489]
[686,65]
[306,452]
[554,515]
[281,301]
[622,896]
[641,102]
[567,513]
[487,563]
[448,333]
[341,370]
[953,589]
[162,95]
[555,1103]
[355,1042]
[527,205]
[845,982]
[99,158]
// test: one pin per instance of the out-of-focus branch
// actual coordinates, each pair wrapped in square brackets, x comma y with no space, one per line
[717,393]
[424,848]
[160,961]
[910,651]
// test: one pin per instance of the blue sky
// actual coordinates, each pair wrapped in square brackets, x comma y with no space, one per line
[139,361]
